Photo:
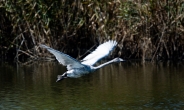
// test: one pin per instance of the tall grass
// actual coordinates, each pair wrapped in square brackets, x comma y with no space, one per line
[144,29]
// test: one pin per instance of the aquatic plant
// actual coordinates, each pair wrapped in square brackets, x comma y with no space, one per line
[144,29]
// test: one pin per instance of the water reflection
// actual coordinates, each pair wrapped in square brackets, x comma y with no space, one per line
[128,85]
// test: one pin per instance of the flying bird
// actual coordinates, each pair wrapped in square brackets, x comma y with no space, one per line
[77,68]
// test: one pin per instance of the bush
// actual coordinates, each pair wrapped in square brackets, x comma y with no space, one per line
[148,29]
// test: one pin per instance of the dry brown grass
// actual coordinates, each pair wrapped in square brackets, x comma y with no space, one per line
[145,29]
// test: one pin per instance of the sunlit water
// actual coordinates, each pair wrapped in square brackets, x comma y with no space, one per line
[125,86]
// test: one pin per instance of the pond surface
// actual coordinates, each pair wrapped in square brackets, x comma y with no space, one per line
[124,86]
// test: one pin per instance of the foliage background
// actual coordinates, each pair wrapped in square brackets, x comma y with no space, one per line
[144,29]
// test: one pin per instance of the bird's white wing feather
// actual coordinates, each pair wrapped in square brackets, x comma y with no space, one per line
[64,59]
[100,52]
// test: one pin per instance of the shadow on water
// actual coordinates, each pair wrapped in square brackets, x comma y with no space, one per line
[127,85]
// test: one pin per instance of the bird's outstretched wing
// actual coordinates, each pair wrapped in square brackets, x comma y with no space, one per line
[64,59]
[100,52]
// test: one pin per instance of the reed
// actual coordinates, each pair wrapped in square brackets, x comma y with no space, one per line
[144,29]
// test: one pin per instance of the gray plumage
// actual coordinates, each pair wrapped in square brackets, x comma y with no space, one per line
[76,68]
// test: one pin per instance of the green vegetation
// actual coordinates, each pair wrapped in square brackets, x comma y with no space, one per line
[147,29]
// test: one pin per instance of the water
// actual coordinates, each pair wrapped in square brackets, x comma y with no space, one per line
[123,86]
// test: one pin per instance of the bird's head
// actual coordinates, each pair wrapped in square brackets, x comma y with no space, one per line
[61,77]
[118,60]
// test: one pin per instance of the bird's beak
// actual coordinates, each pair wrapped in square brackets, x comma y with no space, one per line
[122,60]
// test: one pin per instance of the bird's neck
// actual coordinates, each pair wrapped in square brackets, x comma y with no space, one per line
[104,64]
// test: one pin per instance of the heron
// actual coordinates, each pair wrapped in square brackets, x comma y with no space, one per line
[77,68]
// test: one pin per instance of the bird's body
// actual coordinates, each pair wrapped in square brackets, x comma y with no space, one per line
[77,72]
[76,68]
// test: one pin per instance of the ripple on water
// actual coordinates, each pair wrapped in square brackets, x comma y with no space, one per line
[125,86]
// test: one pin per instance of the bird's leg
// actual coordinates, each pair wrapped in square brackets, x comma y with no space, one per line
[64,75]
[60,77]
